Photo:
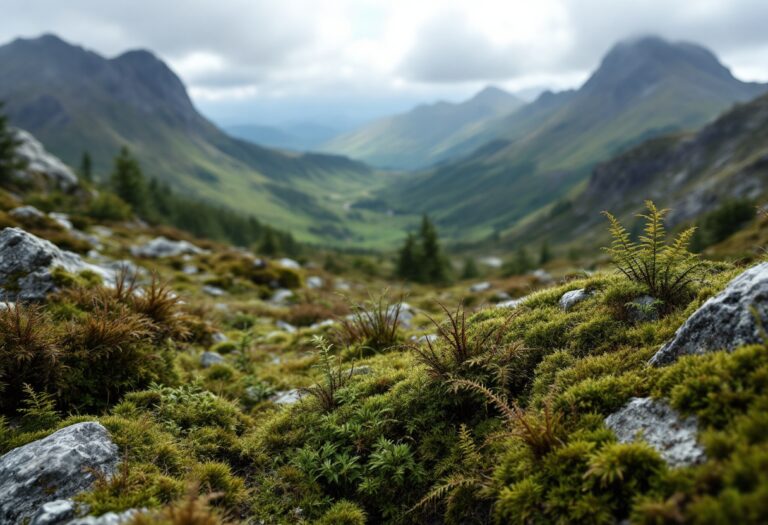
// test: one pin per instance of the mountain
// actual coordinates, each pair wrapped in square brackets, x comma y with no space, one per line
[298,137]
[424,135]
[643,88]
[74,100]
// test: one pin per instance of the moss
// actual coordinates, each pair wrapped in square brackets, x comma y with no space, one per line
[343,513]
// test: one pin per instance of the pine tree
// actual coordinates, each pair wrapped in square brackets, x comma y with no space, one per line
[408,259]
[269,244]
[86,167]
[433,265]
[545,256]
[520,264]
[128,181]
[10,162]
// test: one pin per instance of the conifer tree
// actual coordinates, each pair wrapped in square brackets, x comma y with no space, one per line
[545,256]
[434,267]
[408,260]
[86,167]
[470,269]
[128,181]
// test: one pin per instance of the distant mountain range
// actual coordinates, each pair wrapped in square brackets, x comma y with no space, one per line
[536,155]
[75,100]
[425,135]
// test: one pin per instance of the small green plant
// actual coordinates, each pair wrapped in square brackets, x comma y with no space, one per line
[39,411]
[334,377]
[667,270]
[374,324]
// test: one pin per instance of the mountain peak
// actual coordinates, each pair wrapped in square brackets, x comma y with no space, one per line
[492,94]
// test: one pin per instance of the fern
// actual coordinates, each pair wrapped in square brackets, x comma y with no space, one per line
[334,378]
[39,410]
[666,269]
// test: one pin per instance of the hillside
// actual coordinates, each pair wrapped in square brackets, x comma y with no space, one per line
[298,137]
[74,100]
[425,135]
[691,173]
[643,88]
[171,380]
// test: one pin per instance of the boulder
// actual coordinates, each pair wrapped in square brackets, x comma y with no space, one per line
[53,468]
[209,358]
[40,162]
[161,247]
[281,296]
[54,512]
[286,397]
[726,321]
[110,518]
[480,287]
[659,425]
[285,262]
[27,213]
[314,282]
[62,219]
[574,297]
[214,291]
[26,262]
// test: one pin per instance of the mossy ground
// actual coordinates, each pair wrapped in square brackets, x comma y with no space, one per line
[499,421]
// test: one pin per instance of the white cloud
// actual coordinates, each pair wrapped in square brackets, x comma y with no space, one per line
[260,50]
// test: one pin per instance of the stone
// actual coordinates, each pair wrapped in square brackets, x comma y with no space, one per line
[512,303]
[110,518]
[314,282]
[219,337]
[209,358]
[54,468]
[480,287]
[62,219]
[342,286]
[285,262]
[281,296]
[40,162]
[574,297]
[322,324]
[27,213]
[542,275]
[725,321]
[26,262]
[189,269]
[362,370]
[492,262]
[659,425]
[53,512]
[286,397]
[426,338]
[214,291]
[161,247]
[286,327]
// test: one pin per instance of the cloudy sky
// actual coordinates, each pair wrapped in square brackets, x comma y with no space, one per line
[341,61]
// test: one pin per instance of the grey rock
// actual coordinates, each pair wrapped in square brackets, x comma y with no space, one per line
[209,358]
[492,262]
[659,425]
[110,518]
[285,262]
[56,467]
[362,370]
[542,275]
[281,296]
[26,262]
[26,213]
[161,247]
[725,321]
[322,324]
[219,337]
[314,282]
[213,291]
[54,512]
[189,269]
[572,298]
[342,286]
[286,327]
[480,287]
[512,303]
[39,161]
[426,338]
[286,397]
[62,219]
[643,309]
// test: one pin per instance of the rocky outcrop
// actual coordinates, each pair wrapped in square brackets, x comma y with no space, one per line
[26,262]
[572,298]
[659,425]
[53,468]
[161,247]
[726,321]
[40,162]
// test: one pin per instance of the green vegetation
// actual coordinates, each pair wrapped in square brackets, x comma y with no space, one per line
[9,160]
[421,259]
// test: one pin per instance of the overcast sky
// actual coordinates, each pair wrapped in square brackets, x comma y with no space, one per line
[341,61]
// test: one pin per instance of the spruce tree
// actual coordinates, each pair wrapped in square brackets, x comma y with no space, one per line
[86,167]
[128,181]
[408,259]
[10,161]
[545,256]
[470,269]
